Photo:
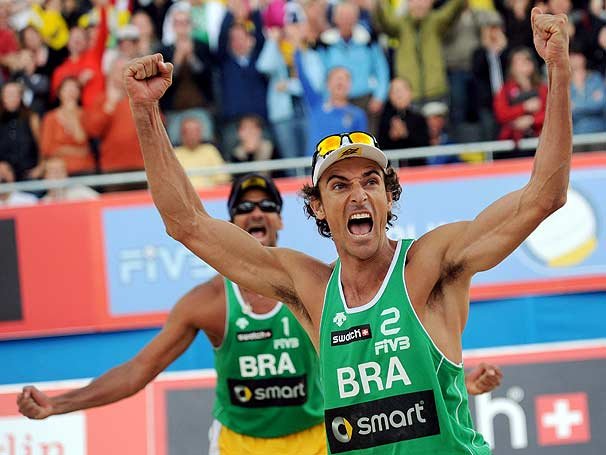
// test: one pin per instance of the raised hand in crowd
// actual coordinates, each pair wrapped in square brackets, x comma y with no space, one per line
[240,10]
[523,123]
[397,129]
[375,105]
[184,50]
[533,105]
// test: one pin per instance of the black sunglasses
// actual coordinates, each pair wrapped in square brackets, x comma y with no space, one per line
[265,205]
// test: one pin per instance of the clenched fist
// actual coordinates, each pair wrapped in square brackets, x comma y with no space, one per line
[147,78]
[34,404]
[483,378]
[550,37]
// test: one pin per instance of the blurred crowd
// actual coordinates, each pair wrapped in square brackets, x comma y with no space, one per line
[265,79]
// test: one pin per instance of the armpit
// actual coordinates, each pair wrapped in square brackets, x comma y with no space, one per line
[291,299]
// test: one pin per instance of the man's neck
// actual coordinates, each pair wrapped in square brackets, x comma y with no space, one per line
[338,102]
[362,279]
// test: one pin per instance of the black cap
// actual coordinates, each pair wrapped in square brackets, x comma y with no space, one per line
[250,181]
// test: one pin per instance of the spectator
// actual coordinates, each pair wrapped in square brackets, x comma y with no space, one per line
[252,146]
[419,57]
[63,134]
[283,94]
[516,16]
[460,43]
[597,50]
[46,17]
[520,104]
[55,169]
[19,129]
[13,198]
[436,116]
[402,127]
[334,114]
[46,58]
[158,12]
[366,7]
[84,61]
[488,68]
[349,46]
[588,96]
[243,87]
[316,12]
[588,22]
[191,91]
[206,16]
[35,85]
[127,46]
[8,39]
[127,38]
[110,120]
[195,154]
[148,41]
[72,10]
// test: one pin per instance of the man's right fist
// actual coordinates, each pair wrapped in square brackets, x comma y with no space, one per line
[34,403]
[147,78]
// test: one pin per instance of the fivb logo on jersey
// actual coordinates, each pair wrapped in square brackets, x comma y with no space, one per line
[379,422]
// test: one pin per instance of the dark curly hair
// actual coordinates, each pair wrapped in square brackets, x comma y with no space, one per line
[309,193]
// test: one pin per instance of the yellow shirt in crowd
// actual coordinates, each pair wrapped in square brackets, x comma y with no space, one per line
[205,155]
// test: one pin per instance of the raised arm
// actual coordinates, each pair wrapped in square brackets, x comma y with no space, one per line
[130,377]
[227,248]
[385,18]
[484,242]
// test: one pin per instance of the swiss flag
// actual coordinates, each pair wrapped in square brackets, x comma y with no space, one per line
[562,419]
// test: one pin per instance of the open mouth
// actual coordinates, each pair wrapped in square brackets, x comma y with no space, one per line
[360,223]
[257,232]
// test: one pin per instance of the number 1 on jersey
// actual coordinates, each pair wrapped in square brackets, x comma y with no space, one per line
[285,323]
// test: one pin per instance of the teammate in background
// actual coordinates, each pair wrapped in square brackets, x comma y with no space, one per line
[268,397]
[248,419]
[387,318]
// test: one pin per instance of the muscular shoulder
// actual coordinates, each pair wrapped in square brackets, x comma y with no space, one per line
[203,307]
[429,264]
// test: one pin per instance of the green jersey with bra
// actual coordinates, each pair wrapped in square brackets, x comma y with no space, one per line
[267,372]
[388,389]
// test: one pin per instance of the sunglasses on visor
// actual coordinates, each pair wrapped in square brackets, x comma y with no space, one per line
[331,143]
[265,205]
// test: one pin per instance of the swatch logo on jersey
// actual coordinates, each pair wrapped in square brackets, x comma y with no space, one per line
[379,422]
[262,393]
[357,333]
[10,309]
[254,335]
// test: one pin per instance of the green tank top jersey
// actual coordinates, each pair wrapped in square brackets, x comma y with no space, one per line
[387,388]
[268,382]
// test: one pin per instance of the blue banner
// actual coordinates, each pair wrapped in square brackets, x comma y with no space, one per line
[148,271]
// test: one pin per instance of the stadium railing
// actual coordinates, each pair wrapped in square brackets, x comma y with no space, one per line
[301,165]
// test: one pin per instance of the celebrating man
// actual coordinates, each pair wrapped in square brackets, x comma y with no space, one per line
[387,317]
